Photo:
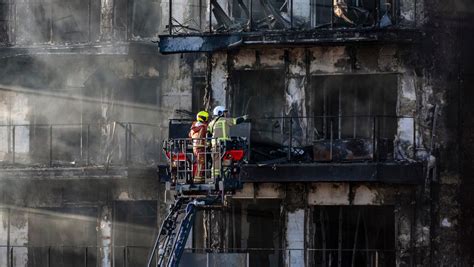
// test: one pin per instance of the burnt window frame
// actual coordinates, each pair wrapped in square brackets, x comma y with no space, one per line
[124,20]
[126,212]
[387,115]
[346,244]
[49,22]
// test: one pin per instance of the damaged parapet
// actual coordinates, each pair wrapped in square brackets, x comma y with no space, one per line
[283,22]
[76,24]
[263,15]
[193,27]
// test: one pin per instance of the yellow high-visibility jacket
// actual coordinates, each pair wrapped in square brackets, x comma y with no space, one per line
[220,127]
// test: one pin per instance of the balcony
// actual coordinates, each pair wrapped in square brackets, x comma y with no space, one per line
[333,148]
[51,27]
[192,28]
[328,149]
[64,151]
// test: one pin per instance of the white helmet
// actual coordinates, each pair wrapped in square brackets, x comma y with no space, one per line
[218,111]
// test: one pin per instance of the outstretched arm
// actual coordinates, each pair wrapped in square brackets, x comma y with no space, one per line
[242,119]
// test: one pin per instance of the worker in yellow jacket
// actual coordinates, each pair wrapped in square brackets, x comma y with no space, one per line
[219,130]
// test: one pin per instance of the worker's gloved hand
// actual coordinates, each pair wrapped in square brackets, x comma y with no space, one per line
[244,118]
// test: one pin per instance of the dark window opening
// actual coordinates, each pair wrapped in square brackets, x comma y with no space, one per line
[264,15]
[57,21]
[135,19]
[134,229]
[321,12]
[145,18]
[69,232]
[35,24]
[353,236]
[260,94]
[352,112]
[122,19]
[5,21]
[199,91]
[138,91]
[71,20]
[258,231]
[352,101]
[348,117]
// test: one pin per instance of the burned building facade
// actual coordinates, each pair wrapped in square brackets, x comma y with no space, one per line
[359,143]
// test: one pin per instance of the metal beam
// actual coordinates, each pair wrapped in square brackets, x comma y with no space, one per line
[76,173]
[391,173]
[198,43]
[205,42]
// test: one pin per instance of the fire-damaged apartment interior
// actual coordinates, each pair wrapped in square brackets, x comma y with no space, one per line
[356,147]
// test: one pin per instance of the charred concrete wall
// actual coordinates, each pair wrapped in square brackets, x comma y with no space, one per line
[422,92]
[103,92]
[466,187]
[300,225]
[66,219]
[95,91]
[298,67]
[72,63]
[448,59]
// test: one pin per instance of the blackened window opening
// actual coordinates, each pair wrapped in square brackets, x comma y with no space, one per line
[145,18]
[260,94]
[6,14]
[199,91]
[346,106]
[136,19]
[62,236]
[257,229]
[353,236]
[71,21]
[134,228]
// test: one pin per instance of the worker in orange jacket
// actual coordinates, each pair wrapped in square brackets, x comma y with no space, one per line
[198,134]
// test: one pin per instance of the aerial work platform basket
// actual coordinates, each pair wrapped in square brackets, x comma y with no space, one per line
[215,162]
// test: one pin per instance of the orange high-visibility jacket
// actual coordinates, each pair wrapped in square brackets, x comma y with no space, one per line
[198,131]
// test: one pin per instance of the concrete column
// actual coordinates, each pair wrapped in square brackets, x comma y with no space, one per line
[4,230]
[295,93]
[19,237]
[105,236]
[175,91]
[406,107]
[13,234]
[294,210]
[106,20]
[15,109]
[245,226]
[404,231]
[199,233]
[213,229]
[295,238]
[219,79]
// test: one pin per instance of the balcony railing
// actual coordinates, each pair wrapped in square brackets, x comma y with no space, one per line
[204,17]
[300,139]
[87,144]
[136,256]
[63,255]
[333,139]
